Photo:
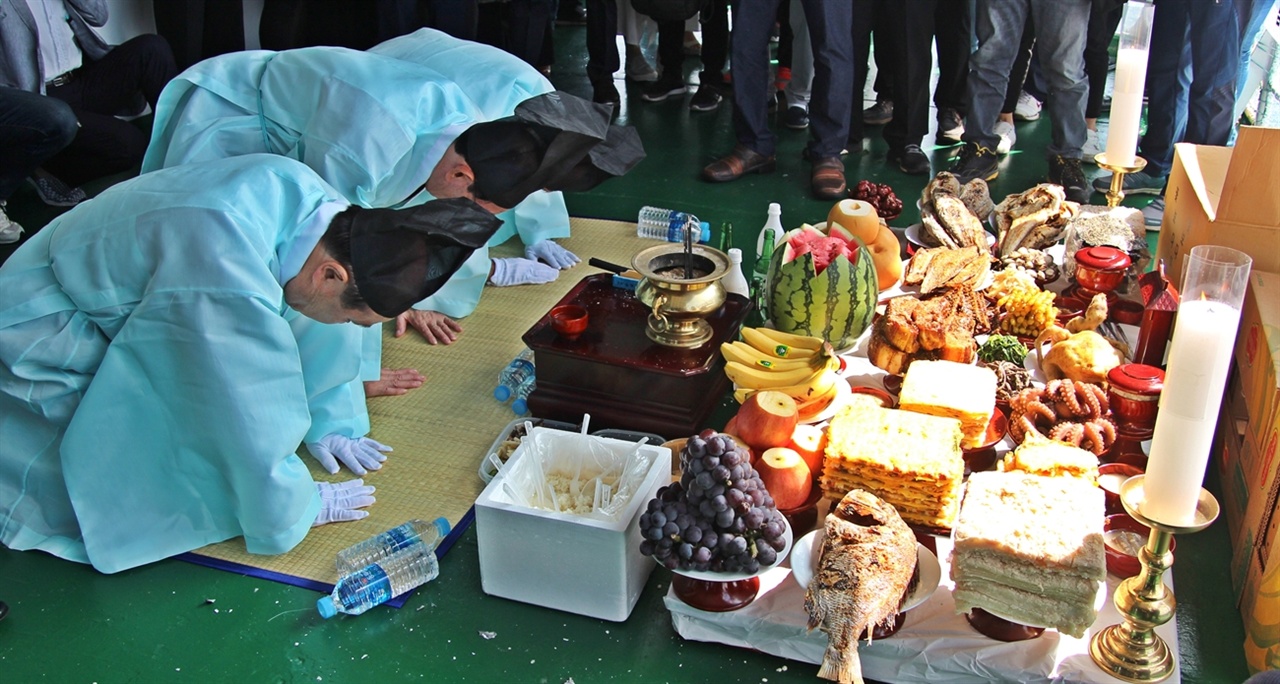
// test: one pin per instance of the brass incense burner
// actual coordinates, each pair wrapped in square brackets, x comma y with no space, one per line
[681,286]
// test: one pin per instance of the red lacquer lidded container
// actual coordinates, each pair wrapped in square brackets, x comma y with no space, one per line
[1134,394]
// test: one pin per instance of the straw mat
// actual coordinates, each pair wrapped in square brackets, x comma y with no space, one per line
[441,431]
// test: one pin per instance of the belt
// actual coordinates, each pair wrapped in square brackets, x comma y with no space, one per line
[62,79]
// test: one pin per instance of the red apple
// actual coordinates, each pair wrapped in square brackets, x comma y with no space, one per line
[810,441]
[786,476]
[766,419]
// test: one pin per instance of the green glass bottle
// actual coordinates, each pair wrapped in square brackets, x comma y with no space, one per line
[726,237]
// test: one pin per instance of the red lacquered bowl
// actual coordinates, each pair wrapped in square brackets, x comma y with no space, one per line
[1110,477]
[983,456]
[569,320]
[1120,563]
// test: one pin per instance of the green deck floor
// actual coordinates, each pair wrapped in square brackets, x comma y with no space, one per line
[173,621]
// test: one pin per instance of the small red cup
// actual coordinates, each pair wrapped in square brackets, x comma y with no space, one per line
[569,320]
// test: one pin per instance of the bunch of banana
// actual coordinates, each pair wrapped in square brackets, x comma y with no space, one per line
[804,368]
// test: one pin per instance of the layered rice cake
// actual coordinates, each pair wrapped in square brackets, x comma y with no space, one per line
[952,390]
[910,460]
[1029,548]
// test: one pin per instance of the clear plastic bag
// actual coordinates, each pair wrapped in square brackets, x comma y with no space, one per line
[577,473]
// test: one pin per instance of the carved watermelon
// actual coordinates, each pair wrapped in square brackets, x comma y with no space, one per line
[822,286]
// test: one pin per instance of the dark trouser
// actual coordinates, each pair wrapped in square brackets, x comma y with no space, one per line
[1021,65]
[525,28]
[455,17]
[865,17]
[199,29]
[97,92]
[1191,78]
[1104,17]
[32,129]
[953,36]
[714,20]
[602,46]
[910,26]
[884,47]
[829,27]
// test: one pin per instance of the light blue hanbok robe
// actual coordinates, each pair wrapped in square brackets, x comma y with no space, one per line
[152,391]
[373,124]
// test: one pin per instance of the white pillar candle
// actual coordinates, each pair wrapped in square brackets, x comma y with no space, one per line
[1199,357]
[1126,106]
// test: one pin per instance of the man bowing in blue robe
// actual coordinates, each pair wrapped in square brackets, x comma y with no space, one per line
[155,382]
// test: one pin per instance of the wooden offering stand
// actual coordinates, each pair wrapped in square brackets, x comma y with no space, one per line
[614,372]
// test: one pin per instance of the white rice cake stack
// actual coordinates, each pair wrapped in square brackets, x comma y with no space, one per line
[910,460]
[952,390]
[1029,548]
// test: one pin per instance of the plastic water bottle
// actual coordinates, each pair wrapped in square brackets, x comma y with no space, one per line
[514,375]
[521,403]
[771,225]
[380,582]
[670,225]
[413,533]
[734,281]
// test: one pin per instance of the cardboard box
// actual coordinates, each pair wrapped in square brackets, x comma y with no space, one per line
[1257,356]
[565,561]
[1224,196]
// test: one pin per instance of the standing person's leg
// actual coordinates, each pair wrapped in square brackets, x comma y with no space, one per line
[913,34]
[1060,36]
[714,19]
[602,49]
[458,18]
[527,22]
[1251,15]
[953,32]
[996,22]
[671,59]
[749,50]
[1166,91]
[1215,51]
[860,40]
[881,48]
[800,87]
[32,129]
[1104,17]
[830,25]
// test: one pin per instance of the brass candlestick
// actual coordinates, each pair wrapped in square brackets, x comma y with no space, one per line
[1116,192]
[1131,650]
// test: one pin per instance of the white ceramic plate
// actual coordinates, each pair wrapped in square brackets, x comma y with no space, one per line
[913,236]
[804,562]
[734,576]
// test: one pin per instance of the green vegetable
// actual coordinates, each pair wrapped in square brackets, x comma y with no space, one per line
[1002,348]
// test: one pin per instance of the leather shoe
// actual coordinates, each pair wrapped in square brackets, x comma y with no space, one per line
[742,160]
[828,178]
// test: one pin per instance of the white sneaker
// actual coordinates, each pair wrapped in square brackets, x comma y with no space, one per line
[1008,136]
[10,230]
[1092,147]
[1028,107]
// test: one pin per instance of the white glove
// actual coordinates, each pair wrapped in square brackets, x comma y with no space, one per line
[339,501]
[360,454]
[551,253]
[521,272]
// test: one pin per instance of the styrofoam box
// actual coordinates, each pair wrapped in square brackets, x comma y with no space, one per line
[565,561]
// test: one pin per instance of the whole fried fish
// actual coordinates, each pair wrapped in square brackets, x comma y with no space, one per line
[868,557]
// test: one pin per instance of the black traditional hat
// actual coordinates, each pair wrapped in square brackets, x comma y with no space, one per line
[402,256]
[555,141]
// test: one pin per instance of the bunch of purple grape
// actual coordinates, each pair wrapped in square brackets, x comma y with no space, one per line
[718,517]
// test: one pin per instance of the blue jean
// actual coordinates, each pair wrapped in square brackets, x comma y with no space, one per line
[1250,15]
[830,26]
[1191,78]
[1060,37]
[32,128]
